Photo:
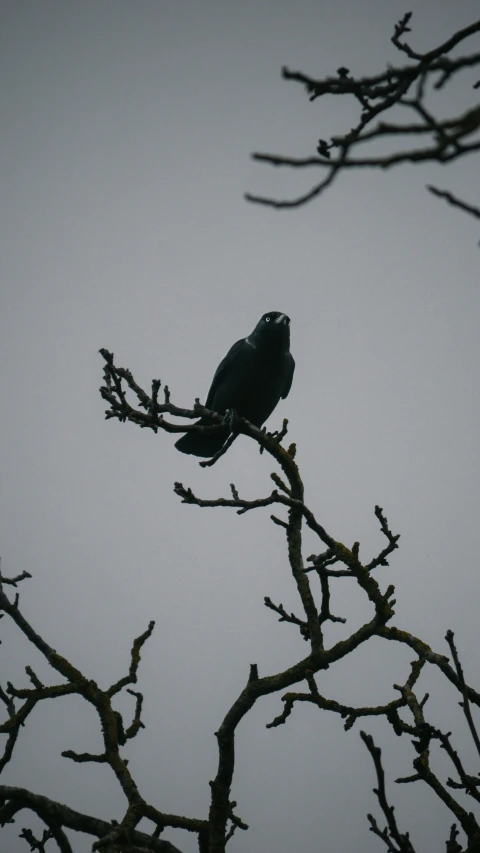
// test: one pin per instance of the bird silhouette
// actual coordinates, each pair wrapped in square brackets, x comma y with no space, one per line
[254,375]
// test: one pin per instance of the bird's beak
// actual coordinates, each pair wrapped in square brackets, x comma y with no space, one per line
[281,319]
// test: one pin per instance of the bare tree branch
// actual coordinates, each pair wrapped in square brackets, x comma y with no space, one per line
[13,799]
[391,833]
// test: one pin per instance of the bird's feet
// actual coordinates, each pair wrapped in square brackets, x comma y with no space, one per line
[277,435]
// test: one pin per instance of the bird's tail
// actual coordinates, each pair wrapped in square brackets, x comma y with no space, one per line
[202,444]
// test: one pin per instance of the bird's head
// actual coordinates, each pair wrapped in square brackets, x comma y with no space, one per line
[272,329]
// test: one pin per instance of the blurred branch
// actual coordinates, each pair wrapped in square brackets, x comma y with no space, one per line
[397,86]
[455,202]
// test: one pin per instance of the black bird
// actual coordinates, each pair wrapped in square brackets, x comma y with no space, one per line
[255,373]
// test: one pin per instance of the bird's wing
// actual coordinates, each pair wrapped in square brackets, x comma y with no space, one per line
[224,368]
[290,367]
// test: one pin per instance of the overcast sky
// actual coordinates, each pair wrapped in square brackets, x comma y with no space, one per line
[127,129]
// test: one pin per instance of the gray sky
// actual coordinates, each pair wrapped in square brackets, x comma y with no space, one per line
[126,135]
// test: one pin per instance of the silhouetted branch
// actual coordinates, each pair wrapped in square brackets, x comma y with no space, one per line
[389,710]
[48,834]
[13,799]
[424,651]
[381,559]
[468,783]
[391,833]
[214,831]
[452,844]
[463,687]
[53,814]
[131,678]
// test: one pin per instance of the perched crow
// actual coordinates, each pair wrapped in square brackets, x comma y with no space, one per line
[256,372]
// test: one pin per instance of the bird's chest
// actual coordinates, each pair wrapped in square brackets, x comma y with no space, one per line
[254,387]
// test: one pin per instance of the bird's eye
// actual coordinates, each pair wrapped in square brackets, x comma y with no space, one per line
[267,319]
